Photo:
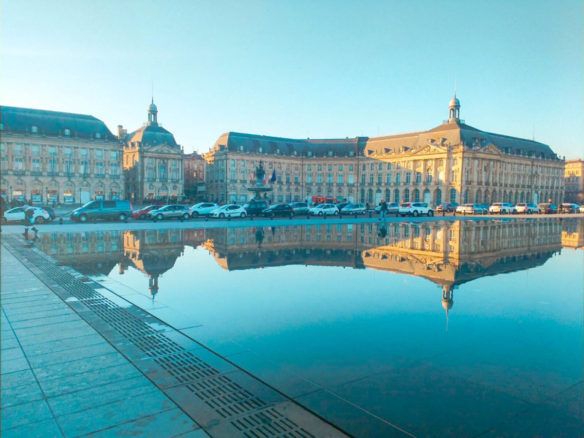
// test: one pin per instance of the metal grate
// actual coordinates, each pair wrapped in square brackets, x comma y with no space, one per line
[249,414]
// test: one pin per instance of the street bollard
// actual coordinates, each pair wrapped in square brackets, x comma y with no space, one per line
[60,221]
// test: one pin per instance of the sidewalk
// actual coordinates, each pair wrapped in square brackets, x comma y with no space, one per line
[61,378]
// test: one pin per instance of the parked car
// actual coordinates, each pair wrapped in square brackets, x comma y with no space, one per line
[202,209]
[142,213]
[324,210]
[353,208]
[100,209]
[566,207]
[278,210]
[392,208]
[299,207]
[415,209]
[18,214]
[471,209]
[255,207]
[547,208]
[581,209]
[172,211]
[501,208]
[527,208]
[229,210]
[341,205]
[448,208]
[51,212]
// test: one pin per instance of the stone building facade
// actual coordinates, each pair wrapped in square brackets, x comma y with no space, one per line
[574,180]
[54,157]
[153,162]
[452,162]
[194,180]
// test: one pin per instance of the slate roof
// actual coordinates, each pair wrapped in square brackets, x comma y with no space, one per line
[251,143]
[152,135]
[53,123]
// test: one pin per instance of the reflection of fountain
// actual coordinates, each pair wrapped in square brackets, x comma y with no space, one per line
[260,188]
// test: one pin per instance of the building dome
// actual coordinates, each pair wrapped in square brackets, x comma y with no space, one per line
[454,102]
[152,108]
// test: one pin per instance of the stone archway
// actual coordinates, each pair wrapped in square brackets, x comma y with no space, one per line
[84,193]
[69,193]
[36,192]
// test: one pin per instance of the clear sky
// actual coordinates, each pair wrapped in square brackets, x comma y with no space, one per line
[299,69]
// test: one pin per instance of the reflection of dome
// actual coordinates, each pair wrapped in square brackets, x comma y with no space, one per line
[447,304]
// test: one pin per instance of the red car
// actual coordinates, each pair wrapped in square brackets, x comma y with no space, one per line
[143,212]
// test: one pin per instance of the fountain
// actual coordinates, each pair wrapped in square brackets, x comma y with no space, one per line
[259,188]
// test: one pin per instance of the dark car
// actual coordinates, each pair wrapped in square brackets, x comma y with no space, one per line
[567,207]
[299,207]
[278,210]
[448,208]
[342,205]
[51,212]
[100,209]
[142,213]
[548,208]
[255,207]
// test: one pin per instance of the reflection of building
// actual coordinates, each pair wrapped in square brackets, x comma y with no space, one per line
[453,162]
[50,156]
[194,169]
[153,161]
[573,233]
[574,180]
[152,252]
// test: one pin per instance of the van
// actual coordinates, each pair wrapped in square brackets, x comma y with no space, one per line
[100,209]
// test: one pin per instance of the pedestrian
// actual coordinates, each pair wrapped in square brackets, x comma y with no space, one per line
[28,215]
[382,209]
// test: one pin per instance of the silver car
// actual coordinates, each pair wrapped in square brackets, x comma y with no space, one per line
[174,211]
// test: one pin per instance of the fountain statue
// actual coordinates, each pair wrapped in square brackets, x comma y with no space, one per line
[259,187]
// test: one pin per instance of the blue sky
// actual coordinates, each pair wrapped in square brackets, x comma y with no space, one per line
[301,68]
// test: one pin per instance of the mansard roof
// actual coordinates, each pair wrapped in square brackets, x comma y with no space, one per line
[262,144]
[456,132]
[53,123]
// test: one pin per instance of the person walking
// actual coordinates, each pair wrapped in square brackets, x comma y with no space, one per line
[382,209]
[28,215]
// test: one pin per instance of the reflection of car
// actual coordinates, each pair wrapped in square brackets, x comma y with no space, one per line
[299,207]
[173,211]
[229,210]
[142,213]
[353,209]
[471,209]
[547,208]
[501,208]
[449,208]
[415,209]
[324,210]
[202,209]
[100,209]
[278,210]
[566,207]
[255,207]
[527,207]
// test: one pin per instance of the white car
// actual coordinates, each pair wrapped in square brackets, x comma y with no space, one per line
[17,214]
[202,209]
[471,209]
[501,208]
[527,207]
[229,210]
[324,210]
[415,209]
[581,209]
[353,209]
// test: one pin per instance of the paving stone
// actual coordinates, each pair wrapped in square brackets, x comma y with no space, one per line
[16,395]
[40,429]
[12,353]
[113,414]
[62,345]
[10,366]
[18,378]
[81,366]
[100,395]
[43,322]
[25,413]
[73,354]
[168,423]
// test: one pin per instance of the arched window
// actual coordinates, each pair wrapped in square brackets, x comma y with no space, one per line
[406,195]
[387,195]
[416,195]
[466,196]
[396,195]
[370,196]
[452,196]
[478,197]
[438,196]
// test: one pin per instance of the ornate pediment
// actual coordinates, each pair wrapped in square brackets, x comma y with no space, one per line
[430,149]
[491,149]
[164,149]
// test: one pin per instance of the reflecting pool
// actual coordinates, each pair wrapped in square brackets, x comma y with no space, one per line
[444,328]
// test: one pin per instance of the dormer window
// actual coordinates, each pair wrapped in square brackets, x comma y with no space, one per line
[330,153]
[97,135]
[34,129]
[369,151]
[351,154]
[67,132]
[309,153]
[241,147]
[387,150]
[260,149]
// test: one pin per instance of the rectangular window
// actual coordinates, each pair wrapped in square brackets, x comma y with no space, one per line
[330,167]
[113,155]
[319,167]
[329,178]
[379,178]
[287,178]
[340,178]
[18,164]
[408,178]
[340,167]
[83,152]
[296,178]
[371,176]
[99,168]
[319,178]
[68,152]
[53,165]
[398,178]
[351,179]
[388,178]
[36,164]
[309,167]
[99,154]
[68,167]
[114,169]
[35,149]
[363,178]
[17,149]
[309,178]
[83,169]
[388,166]
[52,151]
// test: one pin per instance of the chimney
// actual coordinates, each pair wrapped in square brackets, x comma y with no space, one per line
[122,132]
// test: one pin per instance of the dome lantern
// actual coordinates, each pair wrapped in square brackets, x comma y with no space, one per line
[152,114]
[454,109]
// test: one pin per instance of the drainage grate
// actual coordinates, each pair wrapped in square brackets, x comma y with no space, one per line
[248,413]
